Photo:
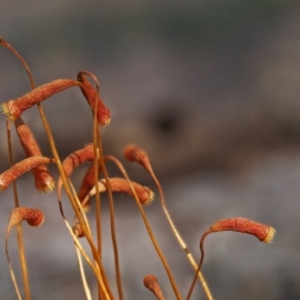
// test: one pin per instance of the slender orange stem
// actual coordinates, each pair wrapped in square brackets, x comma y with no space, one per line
[21,248]
[15,192]
[149,229]
[72,200]
[134,153]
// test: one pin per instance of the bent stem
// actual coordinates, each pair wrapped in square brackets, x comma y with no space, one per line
[23,62]
[12,274]
[21,248]
[99,159]
[199,265]
[113,232]
[149,229]
[64,179]
[95,268]
[179,238]
[15,191]
[83,278]
[78,246]
[97,154]
[72,200]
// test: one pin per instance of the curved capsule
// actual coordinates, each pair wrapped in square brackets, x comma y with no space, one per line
[91,95]
[13,109]
[44,182]
[73,160]
[18,169]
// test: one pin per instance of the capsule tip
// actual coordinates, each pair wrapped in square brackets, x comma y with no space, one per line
[5,110]
[270,235]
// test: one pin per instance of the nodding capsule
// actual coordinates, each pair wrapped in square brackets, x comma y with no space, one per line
[44,182]
[151,283]
[18,169]
[33,216]
[91,95]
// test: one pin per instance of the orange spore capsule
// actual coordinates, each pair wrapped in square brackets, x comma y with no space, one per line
[151,283]
[33,216]
[145,195]
[91,95]
[73,160]
[264,233]
[44,182]
[134,153]
[88,183]
[13,109]
[18,169]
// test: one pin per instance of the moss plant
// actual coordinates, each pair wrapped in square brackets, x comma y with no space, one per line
[95,182]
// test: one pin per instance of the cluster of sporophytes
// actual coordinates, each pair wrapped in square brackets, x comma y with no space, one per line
[95,182]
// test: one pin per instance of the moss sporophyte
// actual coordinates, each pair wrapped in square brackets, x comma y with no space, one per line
[95,182]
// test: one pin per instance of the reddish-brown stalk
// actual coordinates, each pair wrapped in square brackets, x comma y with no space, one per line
[18,169]
[135,154]
[265,233]
[151,283]
[15,193]
[91,95]
[54,151]
[149,229]
[22,60]
[77,230]
[44,182]
[68,165]
[34,217]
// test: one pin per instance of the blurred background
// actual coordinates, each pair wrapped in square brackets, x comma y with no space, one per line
[210,89]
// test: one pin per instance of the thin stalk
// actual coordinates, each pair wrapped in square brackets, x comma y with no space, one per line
[52,143]
[78,245]
[81,268]
[71,198]
[113,230]
[97,154]
[98,144]
[19,226]
[23,62]
[95,268]
[15,191]
[198,267]
[59,165]
[12,274]
[83,278]
[179,238]
[150,232]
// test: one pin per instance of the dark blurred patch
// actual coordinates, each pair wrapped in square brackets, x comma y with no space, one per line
[167,121]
